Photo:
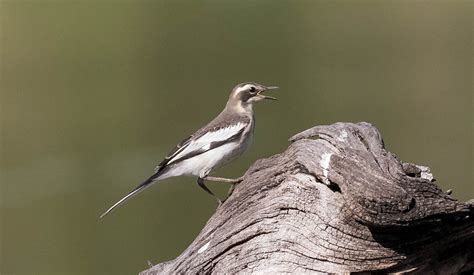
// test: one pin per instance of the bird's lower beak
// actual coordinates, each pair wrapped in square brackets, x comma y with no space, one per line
[266,96]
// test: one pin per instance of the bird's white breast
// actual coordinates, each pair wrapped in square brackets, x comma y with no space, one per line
[200,166]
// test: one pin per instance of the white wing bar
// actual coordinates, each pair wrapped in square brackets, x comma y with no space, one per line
[203,143]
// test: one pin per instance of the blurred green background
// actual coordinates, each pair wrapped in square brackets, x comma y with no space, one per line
[95,93]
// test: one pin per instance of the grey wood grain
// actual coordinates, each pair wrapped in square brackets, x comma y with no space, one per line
[336,201]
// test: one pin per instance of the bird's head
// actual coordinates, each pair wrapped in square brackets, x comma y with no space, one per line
[245,94]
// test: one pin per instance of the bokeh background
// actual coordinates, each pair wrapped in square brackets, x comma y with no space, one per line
[95,93]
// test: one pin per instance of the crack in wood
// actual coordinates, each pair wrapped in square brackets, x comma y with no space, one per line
[383,217]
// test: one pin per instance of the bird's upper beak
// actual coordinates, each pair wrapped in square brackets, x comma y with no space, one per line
[266,89]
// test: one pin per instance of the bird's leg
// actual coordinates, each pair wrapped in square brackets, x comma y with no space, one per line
[200,181]
[232,181]
[231,190]
[201,184]
[209,178]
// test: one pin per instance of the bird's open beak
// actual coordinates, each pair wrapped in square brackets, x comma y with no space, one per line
[266,96]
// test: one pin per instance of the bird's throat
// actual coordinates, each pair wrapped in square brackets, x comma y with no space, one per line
[243,108]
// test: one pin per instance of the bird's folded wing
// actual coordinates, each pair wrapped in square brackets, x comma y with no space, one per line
[206,141]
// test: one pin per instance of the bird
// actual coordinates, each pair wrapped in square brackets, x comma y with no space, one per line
[219,142]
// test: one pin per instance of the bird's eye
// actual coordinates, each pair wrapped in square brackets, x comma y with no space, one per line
[253,90]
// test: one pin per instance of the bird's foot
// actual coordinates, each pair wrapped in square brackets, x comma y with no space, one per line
[150,264]
[201,184]
[231,189]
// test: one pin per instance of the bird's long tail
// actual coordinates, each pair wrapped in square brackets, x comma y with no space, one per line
[147,183]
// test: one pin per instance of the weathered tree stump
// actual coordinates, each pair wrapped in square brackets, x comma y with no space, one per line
[334,202]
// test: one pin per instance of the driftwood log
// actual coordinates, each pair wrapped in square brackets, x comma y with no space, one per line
[334,202]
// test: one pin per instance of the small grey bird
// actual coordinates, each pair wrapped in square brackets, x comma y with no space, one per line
[225,138]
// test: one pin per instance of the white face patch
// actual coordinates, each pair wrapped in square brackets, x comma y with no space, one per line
[245,88]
